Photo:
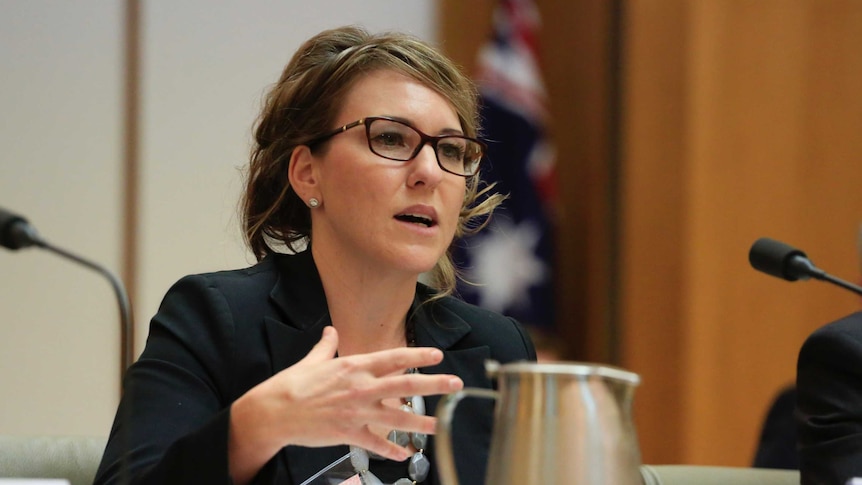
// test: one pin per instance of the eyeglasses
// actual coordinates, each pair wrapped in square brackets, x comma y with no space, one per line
[396,140]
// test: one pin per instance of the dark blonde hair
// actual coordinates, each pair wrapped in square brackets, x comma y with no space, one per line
[303,105]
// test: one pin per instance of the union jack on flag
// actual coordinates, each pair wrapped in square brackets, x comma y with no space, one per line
[511,260]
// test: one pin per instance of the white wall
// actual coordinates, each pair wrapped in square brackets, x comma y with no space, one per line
[60,132]
[205,66]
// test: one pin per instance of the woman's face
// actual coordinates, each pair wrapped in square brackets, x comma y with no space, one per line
[386,213]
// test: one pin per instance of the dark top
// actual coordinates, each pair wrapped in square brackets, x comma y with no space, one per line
[217,335]
[777,445]
[829,403]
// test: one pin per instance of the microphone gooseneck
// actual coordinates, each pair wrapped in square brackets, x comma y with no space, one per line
[783,261]
[16,233]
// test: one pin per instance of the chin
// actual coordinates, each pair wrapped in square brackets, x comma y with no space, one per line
[420,261]
[421,268]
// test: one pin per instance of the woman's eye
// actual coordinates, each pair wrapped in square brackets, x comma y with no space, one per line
[451,151]
[389,139]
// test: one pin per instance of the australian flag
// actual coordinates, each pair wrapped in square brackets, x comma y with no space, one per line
[510,261]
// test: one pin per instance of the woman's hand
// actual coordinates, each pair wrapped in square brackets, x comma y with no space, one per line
[324,401]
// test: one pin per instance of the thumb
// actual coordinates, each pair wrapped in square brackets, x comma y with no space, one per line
[324,349]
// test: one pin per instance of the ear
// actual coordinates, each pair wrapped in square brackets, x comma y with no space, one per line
[301,173]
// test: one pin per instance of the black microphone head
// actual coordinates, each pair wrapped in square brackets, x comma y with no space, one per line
[15,231]
[773,258]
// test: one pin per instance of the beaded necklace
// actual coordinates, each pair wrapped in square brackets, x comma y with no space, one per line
[419,465]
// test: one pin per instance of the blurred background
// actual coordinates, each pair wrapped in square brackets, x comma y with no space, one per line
[683,130]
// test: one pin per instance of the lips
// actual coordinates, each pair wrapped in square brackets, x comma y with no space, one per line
[422,215]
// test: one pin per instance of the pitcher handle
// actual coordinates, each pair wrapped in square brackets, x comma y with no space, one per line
[445,455]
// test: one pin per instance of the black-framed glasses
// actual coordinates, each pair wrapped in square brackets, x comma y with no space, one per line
[396,140]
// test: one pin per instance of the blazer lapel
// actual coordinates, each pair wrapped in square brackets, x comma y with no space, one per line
[303,314]
[287,346]
[298,295]
[441,328]
[448,331]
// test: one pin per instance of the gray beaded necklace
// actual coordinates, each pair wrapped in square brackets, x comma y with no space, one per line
[419,465]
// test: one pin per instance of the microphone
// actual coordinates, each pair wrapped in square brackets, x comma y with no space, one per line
[784,261]
[16,233]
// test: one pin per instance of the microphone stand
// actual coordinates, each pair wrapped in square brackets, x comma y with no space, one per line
[838,281]
[122,302]
[17,233]
[125,341]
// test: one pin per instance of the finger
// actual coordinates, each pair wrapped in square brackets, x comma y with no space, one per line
[406,385]
[382,446]
[324,349]
[390,361]
[395,418]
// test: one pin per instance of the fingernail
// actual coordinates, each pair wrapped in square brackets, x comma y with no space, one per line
[436,354]
[455,384]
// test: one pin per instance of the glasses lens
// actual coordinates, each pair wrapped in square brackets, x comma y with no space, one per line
[459,155]
[391,139]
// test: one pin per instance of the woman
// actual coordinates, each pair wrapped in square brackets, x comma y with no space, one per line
[365,167]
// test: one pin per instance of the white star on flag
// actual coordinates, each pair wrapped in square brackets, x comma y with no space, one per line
[505,265]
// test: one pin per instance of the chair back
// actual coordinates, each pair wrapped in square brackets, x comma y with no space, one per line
[716,475]
[74,458]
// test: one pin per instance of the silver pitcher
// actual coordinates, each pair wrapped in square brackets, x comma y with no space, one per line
[553,423]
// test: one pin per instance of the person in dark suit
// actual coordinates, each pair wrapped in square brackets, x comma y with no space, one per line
[364,171]
[829,403]
[776,447]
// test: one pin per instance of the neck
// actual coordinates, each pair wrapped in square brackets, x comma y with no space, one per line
[368,306]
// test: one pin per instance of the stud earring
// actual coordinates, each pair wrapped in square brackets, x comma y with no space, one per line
[312,202]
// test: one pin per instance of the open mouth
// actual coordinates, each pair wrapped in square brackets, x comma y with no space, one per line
[416,219]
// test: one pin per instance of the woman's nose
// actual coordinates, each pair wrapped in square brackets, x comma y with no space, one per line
[426,168]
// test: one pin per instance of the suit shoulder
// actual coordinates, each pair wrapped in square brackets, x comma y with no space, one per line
[472,313]
[848,328]
[262,272]
[505,335]
[839,341]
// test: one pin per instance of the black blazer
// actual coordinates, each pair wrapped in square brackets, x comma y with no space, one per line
[217,335]
[829,403]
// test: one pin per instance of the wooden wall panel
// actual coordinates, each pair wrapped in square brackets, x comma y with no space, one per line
[760,102]
[652,246]
[579,59]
